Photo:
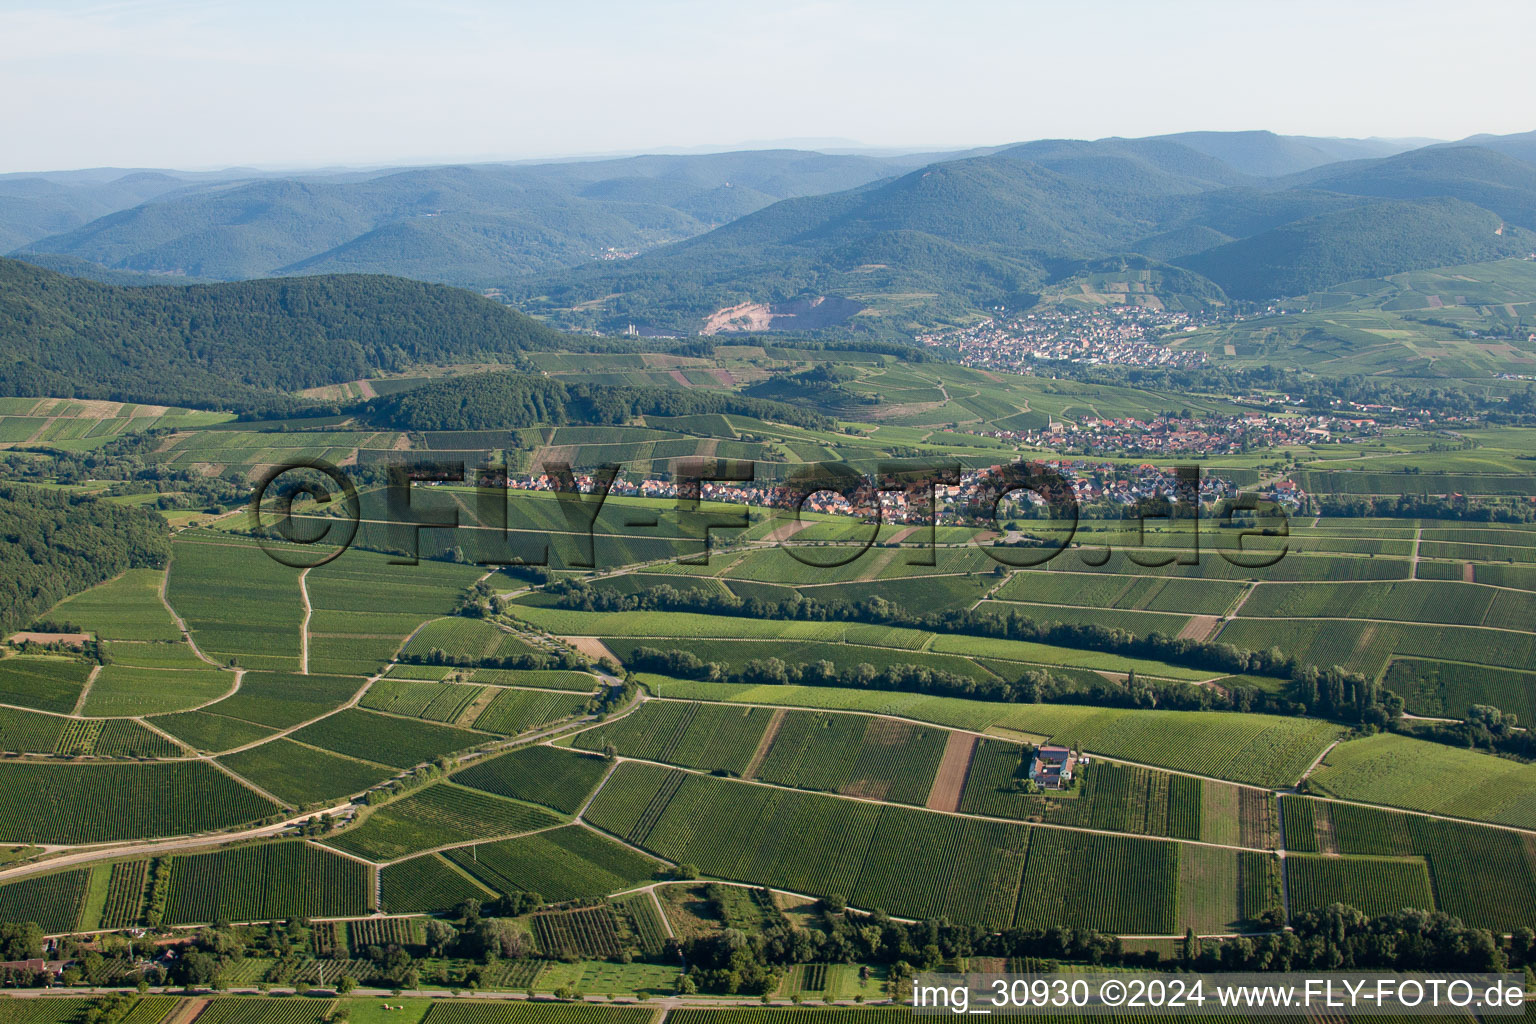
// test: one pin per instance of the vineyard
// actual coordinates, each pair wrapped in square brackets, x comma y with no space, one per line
[909,862]
[47,684]
[855,755]
[53,901]
[265,881]
[243,608]
[1259,750]
[31,732]
[543,775]
[93,803]
[211,732]
[645,922]
[1211,890]
[710,737]
[126,890]
[427,884]
[1373,885]
[125,608]
[396,931]
[126,690]
[589,933]
[1297,820]
[462,639]
[436,702]
[1403,772]
[1447,689]
[1115,797]
[283,699]
[514,711]
[385,740]
[440,815]
[1113,883]
[255,1010]
[506,1012]
[303,775]
[564,864]
[1485,876]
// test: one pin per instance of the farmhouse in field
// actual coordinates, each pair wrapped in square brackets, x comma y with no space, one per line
[1052,767]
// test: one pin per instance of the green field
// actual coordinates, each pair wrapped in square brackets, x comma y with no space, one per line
[266,881]
[384,739]
[1373,884]
[301,774]
[543,775]
[85,803]
[1401,772]
[564,864]
[438,816]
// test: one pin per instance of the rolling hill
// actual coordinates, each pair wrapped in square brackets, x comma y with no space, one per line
[1372,240]
[239,345]
[1004,228]
[673,244]
[458,225]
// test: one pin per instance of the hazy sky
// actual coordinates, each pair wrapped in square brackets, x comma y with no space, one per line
[169,83]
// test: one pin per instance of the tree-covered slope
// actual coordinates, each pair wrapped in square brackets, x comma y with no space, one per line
[1492,180]
[460,225]
[509,400]
[235,345]
[1367,241]
[56,544]
[978,231]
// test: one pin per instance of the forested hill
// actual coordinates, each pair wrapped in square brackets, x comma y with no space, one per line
[56,544]
[1004,228]
[494,401]
[236,346]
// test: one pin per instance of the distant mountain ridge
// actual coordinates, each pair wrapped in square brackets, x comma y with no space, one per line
[669,242]
[468,225]
[1001,229]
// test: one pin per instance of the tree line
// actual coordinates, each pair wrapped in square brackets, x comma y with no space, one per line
[1330,692]
[56,543]
[1336,937]
[507,400]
